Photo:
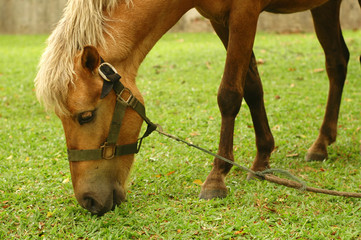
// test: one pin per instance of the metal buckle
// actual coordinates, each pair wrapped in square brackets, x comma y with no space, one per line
[108,151]
[102,74]
[129,99]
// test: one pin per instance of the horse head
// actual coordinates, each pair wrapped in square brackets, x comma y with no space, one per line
[98,173]
[87,76]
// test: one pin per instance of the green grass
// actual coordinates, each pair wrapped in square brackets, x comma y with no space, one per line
[179,80]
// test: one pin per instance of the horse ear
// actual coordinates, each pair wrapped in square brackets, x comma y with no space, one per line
[90,58]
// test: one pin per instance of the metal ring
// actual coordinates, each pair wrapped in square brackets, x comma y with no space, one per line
[105,148]
[102,74]
[129,99]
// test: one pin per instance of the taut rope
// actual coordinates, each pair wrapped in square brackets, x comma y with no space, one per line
[266,174]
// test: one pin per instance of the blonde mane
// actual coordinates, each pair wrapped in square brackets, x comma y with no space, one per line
[83,23]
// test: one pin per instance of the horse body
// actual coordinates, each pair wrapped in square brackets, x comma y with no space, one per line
[131,29]
[241,80]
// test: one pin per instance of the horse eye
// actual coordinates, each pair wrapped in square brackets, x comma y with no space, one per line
[86,117]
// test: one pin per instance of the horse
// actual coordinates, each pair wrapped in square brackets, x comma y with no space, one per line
[87,76]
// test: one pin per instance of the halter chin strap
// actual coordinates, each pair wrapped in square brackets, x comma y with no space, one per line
[109,149]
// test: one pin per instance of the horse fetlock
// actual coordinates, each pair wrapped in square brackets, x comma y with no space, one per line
[261,162]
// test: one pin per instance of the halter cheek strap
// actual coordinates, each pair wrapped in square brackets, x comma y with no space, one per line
[109,149]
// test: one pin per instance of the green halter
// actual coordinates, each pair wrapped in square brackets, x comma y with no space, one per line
[109,149]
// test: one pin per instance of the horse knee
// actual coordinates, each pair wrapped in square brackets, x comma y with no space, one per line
[229,102]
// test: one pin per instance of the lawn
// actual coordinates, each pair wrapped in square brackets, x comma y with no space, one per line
[179,81]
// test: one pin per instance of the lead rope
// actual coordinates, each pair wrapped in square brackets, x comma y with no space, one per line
[266,174]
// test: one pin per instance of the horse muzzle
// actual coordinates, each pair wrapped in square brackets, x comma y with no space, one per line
[101,201]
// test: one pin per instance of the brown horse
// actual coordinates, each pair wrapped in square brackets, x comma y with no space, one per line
[75,82]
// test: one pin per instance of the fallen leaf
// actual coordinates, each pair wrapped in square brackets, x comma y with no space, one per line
[158,175]
[195,134]
[269,209]
[208,64]
[170,173]
[198,182]
[5,204]
[276,127]
[293,155]
[260,61]
[66,180]
[239,232]
[310,169]
[318,70]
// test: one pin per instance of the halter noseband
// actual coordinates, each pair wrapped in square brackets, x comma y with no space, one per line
[109,149]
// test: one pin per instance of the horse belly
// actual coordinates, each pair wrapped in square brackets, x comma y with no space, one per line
[292,6]
[216,10]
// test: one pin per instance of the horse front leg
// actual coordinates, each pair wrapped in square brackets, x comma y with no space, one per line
[328,30]
[241,31]
[253,95]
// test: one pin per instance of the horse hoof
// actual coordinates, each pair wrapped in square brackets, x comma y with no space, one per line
[213,193]
[315,156]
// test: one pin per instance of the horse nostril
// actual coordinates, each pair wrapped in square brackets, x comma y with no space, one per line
[94,206]
[88,202]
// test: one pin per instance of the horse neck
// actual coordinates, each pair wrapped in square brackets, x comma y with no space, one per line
[134,30]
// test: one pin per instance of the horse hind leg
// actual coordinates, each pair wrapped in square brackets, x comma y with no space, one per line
[328,30]
[254,98]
